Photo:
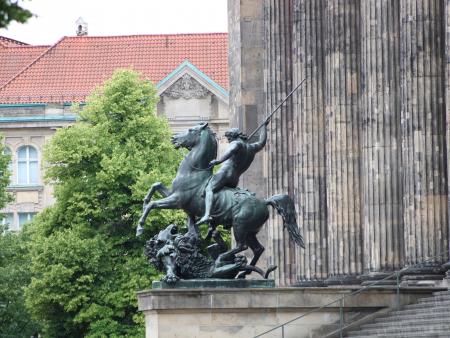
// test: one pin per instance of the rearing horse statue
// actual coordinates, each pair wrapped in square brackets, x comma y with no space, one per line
[232,207]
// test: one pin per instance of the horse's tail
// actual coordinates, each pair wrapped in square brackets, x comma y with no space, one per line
[286,208]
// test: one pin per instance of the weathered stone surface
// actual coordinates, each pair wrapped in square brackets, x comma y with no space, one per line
[308,140]
[424,157]
[278,38]
[362,148]
[342,140]
[248,312]
[381,139]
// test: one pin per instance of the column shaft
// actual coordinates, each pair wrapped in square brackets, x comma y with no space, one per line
[279,146]
[309,139]
[423,130]
[380,142]
[342,59]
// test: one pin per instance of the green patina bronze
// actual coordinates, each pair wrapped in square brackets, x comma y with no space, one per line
[195,187]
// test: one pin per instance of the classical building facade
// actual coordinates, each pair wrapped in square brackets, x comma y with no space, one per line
[39,84]
[363,145]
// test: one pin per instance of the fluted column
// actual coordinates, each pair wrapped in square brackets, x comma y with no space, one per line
[342,59]
[423,132]
[381,141]
[279,146]
[447,102]
[309,136]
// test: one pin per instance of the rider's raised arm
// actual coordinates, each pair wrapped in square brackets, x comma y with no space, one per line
[257,146]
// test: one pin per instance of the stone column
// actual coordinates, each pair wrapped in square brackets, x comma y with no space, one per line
[381,141]
[447,103]
[342,59]
[278,76]
[423,134]
[309,140]
[247,106]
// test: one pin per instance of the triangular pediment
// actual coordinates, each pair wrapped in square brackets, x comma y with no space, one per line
[187,82]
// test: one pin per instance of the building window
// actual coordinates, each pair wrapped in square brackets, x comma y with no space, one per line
[28,169]
[25,217]
[8,220]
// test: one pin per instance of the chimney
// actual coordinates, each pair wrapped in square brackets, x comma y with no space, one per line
[82,27]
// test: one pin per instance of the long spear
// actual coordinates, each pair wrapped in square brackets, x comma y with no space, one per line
[278,107]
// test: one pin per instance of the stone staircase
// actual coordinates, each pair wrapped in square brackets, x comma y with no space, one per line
[430,318]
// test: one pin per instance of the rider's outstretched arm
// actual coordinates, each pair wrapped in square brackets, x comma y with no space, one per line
[257,146]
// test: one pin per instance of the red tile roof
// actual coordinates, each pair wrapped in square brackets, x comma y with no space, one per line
[69,70]
[14,58]
[4,41]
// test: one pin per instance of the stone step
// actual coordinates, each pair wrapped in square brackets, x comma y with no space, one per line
[412,311]
[443,314]
[437,298]
[429,322]
[425,334]
[403,330]
[438,293]
[427,305]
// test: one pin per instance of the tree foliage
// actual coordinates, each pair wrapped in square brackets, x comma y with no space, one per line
[15,321]
[14,268]
[5,159]
[11,10]
[86,262]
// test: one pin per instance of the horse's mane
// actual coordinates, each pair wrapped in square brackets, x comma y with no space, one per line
[213,139]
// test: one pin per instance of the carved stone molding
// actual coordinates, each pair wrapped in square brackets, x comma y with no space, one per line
[187,88]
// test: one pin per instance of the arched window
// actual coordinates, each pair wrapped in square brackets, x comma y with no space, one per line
[27,165]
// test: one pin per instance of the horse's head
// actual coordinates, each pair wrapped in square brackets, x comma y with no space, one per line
[190,138]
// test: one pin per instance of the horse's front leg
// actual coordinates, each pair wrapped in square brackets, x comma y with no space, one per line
[170,202]
[156,187]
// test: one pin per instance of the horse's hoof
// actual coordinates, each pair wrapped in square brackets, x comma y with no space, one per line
[139,230]
[241,275]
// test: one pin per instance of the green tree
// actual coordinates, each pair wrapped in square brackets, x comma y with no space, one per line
[86,262]
[15,320]
[14,268]
[5,159]
[12,11]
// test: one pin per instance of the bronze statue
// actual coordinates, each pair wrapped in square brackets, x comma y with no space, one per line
[232,206]
[236,160]
[180,257]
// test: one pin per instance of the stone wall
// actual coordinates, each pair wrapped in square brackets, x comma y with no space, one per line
[210,313]
[362,146]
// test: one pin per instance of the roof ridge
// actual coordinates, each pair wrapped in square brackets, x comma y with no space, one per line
[17,42]
[26,46]
[141,35]
[32,63]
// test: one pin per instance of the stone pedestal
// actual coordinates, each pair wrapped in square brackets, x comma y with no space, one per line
[208,313]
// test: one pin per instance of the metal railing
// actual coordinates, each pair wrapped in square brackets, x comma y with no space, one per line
[396,275]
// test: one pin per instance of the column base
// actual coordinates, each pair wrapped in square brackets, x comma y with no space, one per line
[425,275]
[342,280]
[310,283]
[446,280]
[378,278]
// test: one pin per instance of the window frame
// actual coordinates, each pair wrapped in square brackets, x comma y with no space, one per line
[28,161]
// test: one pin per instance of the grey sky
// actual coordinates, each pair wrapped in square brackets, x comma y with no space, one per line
[56,18]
